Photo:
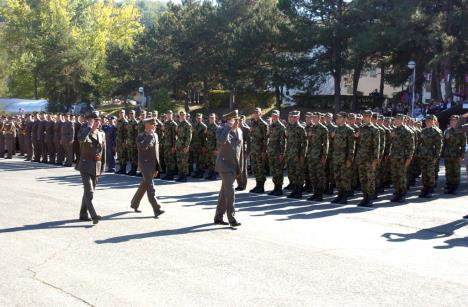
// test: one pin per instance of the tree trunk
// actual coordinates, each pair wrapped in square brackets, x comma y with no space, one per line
[435,84]
[279,96]
[356,78]
[382,78]
[35,86]
[337,81]
[186,102]
[232,100]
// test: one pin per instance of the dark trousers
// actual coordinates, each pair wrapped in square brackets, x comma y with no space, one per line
[2,145]
[146,186]
[68,149]
[242,178]
[89,186]
[37,149]
[60,152]
[29,148]
[226,197]
[110,157]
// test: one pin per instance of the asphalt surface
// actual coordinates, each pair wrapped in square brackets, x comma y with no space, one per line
[286,253]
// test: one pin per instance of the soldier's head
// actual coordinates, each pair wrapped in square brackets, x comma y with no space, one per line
[454,121]
[143,115]
[418,124]
[367,116]
[398,121]
[315,117]
[182,116]
[275,114]
[131,114]
[374,118]
[169,115]
[380,120]
[122,114]
[351,120]
[358,119]
[212,118]
[328,118]
[294,116]
[257,113]
[308,118]
[430,120]
[341,118]
[199,117]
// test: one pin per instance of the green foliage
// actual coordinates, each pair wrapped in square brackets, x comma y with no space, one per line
[161,101]
[218,99]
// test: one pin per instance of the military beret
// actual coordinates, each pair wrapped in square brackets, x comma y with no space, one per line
[309,114]
[328,114]
[342,114]
[454,117]
[234,114]
[275,112]
[351,115]
[295,113]
[149,121]
[367,112]
[431,117]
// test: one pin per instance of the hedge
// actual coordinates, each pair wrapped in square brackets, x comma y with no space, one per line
[217,99]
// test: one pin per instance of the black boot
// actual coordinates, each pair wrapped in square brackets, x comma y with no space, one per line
[424,192]
[275,191]
[396,198]
[318,196]
[298,194]
[182,178]
[261,187]
[169,176]
[132,172]
[308,187]
[255,190]
[366,202]
[344,199]
[330,188]
[338,198]
[293,193]
[278,191]
[289,187]
[122,169]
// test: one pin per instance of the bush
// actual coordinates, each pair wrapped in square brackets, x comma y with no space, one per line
[217,99]
[161,101]
[245,100]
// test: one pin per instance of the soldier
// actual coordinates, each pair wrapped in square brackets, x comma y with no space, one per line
[9,132]
[367,157]
[242,178]
[91,163]
[258,143]
[211,146]
[275,151]
[170,136]
[148,163]
[160,133]
[316,156]
[21,124]
[387,172]
[429,149]
[41,137]
[57,138]
[343,158]
[110,131]
[400,156]
[330,182]
[28,137]
[296,148]
[352,121]
[130,140]
[141,122]
[378,171]
[453,152]
[67,135]
[77,121]
[35,138]
[50,128]
[198,145]
[184,138]
[121,143]
[2,137]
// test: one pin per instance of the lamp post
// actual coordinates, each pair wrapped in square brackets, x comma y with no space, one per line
[412,65]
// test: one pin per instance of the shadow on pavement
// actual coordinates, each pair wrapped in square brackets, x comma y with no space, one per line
[457,242]
[162,233]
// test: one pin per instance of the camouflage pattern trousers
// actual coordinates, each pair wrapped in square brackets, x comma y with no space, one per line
[122,154]
[182,161]
[316,172]
[330,172]
[295,170]
[169,159]
[343,176]
[399,174]
[258,166]
[366,177]
[133,155]
[276,169]
[198,154]
[210,161]
[452,170]
[427,172]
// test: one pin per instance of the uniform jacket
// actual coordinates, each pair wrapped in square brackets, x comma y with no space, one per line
[230,150]
[93,151]
[148,154]
[67,133]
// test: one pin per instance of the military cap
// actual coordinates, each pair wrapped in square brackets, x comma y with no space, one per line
[318,114]
[275,112]
[295,113]
[454,117]
[169,112]
[234,114]
[431,117]
[198,115]
[329,114]
[242,117]
[309,114]
[342,114]
[367,112]
[399,115]
[351,115]
[212,115]
[93,115]
[381,117]
[258,110]
[182,112]
[149,121]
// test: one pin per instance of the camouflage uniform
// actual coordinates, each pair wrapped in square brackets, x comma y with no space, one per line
[258,143]
[132,133]
[368,151]
[330,182]
[198,148]
[402,149]
[295,153]
[453,152]
[184,137]
[317,152]
[429,149]
[378,171]
[121,145]
[160,133]
[170,135]
[343,151]
[211,148]
[276,148]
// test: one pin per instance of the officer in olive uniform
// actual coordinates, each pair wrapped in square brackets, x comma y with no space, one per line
[429,150]
[258,147]
[296,149]
[184,137]
[453,152]
[276,152]
[170,136]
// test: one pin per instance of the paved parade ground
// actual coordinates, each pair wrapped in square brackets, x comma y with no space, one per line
[286,253]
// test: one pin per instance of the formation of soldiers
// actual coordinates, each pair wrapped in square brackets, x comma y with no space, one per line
[321,154]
